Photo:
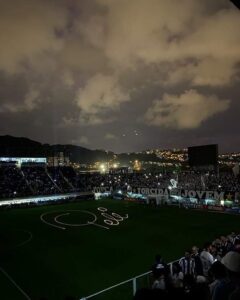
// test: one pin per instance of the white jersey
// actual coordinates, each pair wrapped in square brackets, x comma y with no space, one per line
[187,265]
[207,260]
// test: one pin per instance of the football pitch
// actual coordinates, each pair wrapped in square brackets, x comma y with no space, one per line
[76,249]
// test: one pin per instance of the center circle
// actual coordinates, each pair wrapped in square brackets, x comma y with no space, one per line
[87,218]
[13,238]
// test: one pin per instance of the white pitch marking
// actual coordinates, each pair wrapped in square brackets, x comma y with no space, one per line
[117,217]
[14,283]
[73,225]
[90,223]
[41,217]
[110,222]
[76,225]
[114,217]
[102,209]
[58,216]
[110,219]
[26,241]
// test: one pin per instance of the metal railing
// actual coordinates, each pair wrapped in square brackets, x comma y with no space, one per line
[133,280]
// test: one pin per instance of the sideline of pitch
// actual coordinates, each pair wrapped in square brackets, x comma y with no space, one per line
[14,283]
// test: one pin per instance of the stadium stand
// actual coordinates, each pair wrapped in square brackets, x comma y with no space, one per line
[42,180]
[39,181]
[12,183]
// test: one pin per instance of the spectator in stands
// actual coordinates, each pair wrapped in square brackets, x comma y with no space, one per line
[224,245]
[232,237]
[215,253]
[160,273]
[232,263]
[218,274]
[187,264]
[159,279]
[198,262]
[236,247]
[194,290]
[206,258]
[177,276]
[218,244]
[159,265]
[188,283]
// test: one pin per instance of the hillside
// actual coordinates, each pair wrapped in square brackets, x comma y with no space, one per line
[24,147]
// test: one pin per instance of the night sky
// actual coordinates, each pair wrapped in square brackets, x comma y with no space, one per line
[121,75]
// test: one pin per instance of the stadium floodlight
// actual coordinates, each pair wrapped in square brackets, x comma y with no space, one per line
[236,3]
[102,168]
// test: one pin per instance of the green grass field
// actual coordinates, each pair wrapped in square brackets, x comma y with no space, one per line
[51,262]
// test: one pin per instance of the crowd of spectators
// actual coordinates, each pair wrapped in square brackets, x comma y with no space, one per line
[42,180]
[212,273]
[60,181]
[185,180]
[38,181]
[12,183]
[18,182]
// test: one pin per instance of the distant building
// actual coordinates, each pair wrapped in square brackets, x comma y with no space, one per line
[119,170]
[58,160]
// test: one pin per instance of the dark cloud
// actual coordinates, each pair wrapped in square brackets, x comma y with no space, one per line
[121,75]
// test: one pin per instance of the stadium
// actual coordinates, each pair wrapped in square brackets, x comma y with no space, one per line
[95,236]
[119,150]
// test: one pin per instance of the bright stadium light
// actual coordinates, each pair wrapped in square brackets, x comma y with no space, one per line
[102,168]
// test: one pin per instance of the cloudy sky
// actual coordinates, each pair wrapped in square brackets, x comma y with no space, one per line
[122,75]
